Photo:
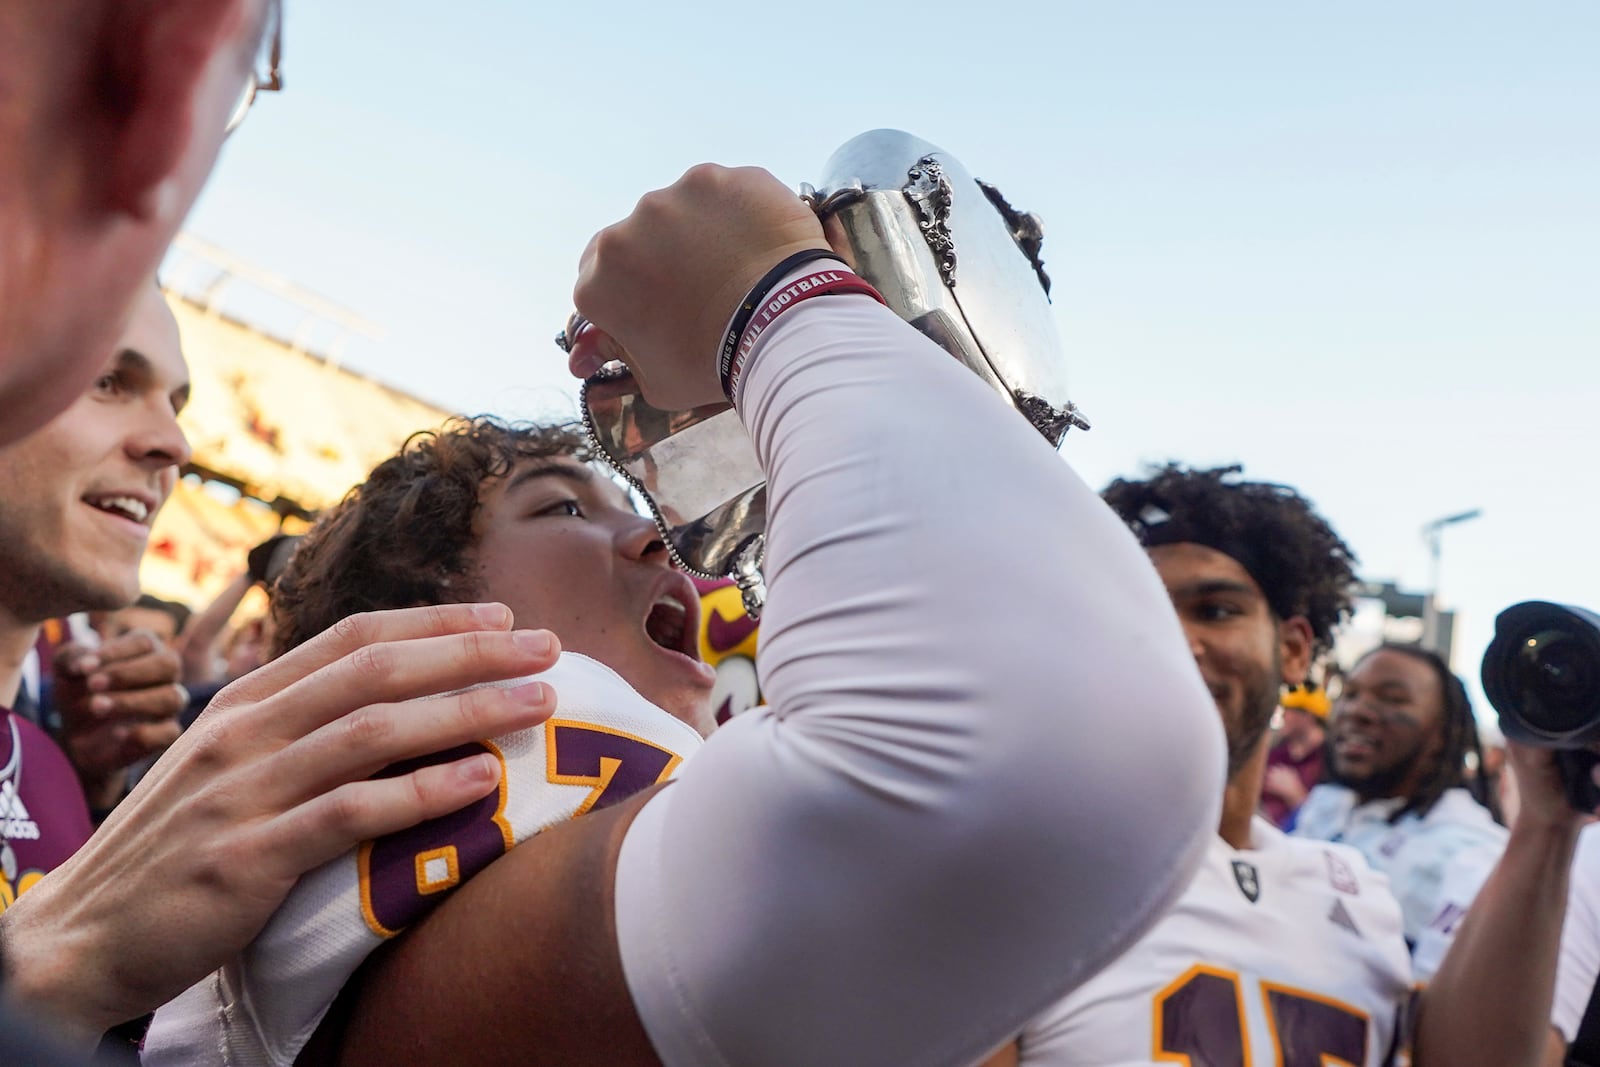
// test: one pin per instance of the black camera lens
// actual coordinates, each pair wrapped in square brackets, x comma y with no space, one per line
[1557,675]
[1542,674]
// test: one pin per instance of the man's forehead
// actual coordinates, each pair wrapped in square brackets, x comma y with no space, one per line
[1189,568]
[1385,666]
[572,469]
[152,333]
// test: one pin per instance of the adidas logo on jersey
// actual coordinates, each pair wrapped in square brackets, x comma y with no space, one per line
[1340,916]
[15,822]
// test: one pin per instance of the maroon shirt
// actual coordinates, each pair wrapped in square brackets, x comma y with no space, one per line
[1309,770]
[43,815]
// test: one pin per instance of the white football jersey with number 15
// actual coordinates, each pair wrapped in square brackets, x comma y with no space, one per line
[1287,954]
[604,744]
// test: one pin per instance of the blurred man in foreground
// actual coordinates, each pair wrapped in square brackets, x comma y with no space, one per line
[112,113]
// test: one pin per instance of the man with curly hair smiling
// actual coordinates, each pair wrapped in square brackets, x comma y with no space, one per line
[1273,547]
[1284,946]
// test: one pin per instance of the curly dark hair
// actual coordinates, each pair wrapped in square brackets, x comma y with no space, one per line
[1301,565]
[1459,735]
[405,536]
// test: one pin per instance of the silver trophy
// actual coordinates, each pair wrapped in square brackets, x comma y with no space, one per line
[949,255]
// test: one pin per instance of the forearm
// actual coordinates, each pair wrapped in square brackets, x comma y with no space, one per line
[945,773]
[50,973]
[1490,1001]
[198,643]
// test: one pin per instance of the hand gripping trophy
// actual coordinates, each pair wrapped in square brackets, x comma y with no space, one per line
[948,254]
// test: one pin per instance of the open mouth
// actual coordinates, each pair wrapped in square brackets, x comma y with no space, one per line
[668,625]
[131,508]
[673,621]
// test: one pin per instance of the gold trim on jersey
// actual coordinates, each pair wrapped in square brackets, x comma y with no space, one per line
[364,854]
[1162,1055]
[609,765]
[1328,1059]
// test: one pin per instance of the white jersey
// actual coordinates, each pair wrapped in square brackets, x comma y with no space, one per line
[1579,965]
[1436,863]
[871,869]
[604,744]
[1287,952]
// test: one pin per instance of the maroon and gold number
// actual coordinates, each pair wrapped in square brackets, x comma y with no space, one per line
[403,874]
[614,764]
[1200,1022]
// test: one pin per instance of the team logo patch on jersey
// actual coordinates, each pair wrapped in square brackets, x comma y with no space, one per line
[1340,876]
[1249,880]
[1340,916]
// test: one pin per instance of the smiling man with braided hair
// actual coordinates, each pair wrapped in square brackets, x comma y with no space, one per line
[1399,740]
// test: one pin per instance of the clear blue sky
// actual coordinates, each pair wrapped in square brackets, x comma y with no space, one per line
[1355,246]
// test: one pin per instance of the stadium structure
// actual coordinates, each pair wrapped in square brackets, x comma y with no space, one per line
[280,429]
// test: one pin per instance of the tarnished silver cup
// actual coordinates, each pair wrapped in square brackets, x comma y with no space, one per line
[949,255]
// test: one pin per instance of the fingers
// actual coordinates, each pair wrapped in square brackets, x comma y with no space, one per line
[111,747]
[324,827]
[80,660]
[129,645]
[665,281]
[373,737]
[158,666]
[151,702]
[356,631]
[73,661]
[249,723]
[394,671]
[592,349]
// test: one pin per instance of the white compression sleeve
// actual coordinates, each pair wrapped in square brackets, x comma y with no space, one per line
[988,763]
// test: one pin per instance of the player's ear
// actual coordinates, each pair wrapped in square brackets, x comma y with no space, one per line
[149,101]
[1294,649]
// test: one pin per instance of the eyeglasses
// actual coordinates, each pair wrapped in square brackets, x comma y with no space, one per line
[257,82]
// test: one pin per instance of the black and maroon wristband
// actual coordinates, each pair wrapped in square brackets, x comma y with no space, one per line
[763,305]
[752,300]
